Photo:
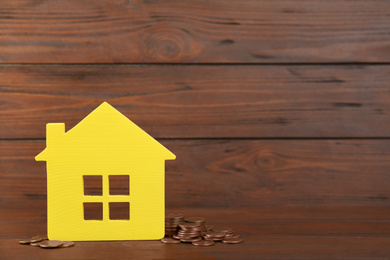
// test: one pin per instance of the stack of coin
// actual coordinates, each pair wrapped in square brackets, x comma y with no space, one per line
[42,242]
[189,232]
[199,220]
[172,222]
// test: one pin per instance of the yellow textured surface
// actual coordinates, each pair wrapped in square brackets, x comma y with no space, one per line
[104,143]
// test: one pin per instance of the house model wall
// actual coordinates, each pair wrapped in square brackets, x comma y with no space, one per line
[106,146]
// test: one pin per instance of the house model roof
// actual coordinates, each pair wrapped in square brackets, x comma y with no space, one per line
[107,128]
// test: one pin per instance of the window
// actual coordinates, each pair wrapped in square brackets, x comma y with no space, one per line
[119,184]
[106,197]
[93,211]
[93,185]
[119,210]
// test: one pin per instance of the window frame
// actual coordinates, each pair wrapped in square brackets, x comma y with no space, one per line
[106,198]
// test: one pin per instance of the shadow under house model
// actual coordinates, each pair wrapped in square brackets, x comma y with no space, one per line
[105,146]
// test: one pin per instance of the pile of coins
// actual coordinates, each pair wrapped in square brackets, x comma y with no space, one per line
[42,242]
[194,230]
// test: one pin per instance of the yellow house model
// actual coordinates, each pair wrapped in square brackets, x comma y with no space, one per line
[104,149]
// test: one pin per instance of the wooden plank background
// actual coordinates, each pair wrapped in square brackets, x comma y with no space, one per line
[175,31]
[201,101]
[236,173]
[323,119]
[327,123]
[267,104]
[270,233]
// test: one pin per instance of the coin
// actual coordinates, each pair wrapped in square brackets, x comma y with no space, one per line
[188,236]
[33,239]
[67,244]
[232,240]
[203,243]
[227,231]
[25,241]
[232,236]
[213,234]
[189,225]
[36,244]
[169,240]
[190,240]
[189,230]
[38,238]
[174,216]
[50,243]
[182,232]
[194,220]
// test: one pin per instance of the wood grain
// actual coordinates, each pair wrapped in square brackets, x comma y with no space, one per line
[201,101]
[174,31]
[235,173]
[297,221]
[255,248]
[269,233]
[273,137]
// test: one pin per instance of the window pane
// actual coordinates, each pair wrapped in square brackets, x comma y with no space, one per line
[93,211]
[119,184]
[93,185]
[119,210]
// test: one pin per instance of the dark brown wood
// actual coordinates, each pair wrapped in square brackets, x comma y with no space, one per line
[228,31]
[277,233]
[319,220]
[235,173]
[201,101]
[293,157]
[254,248]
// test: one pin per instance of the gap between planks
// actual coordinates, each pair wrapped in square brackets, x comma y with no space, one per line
[203,64]
[227,138]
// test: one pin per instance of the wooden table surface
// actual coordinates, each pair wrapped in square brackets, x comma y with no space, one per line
[325,232]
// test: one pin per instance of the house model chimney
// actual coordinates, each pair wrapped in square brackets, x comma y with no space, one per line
[54,131]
